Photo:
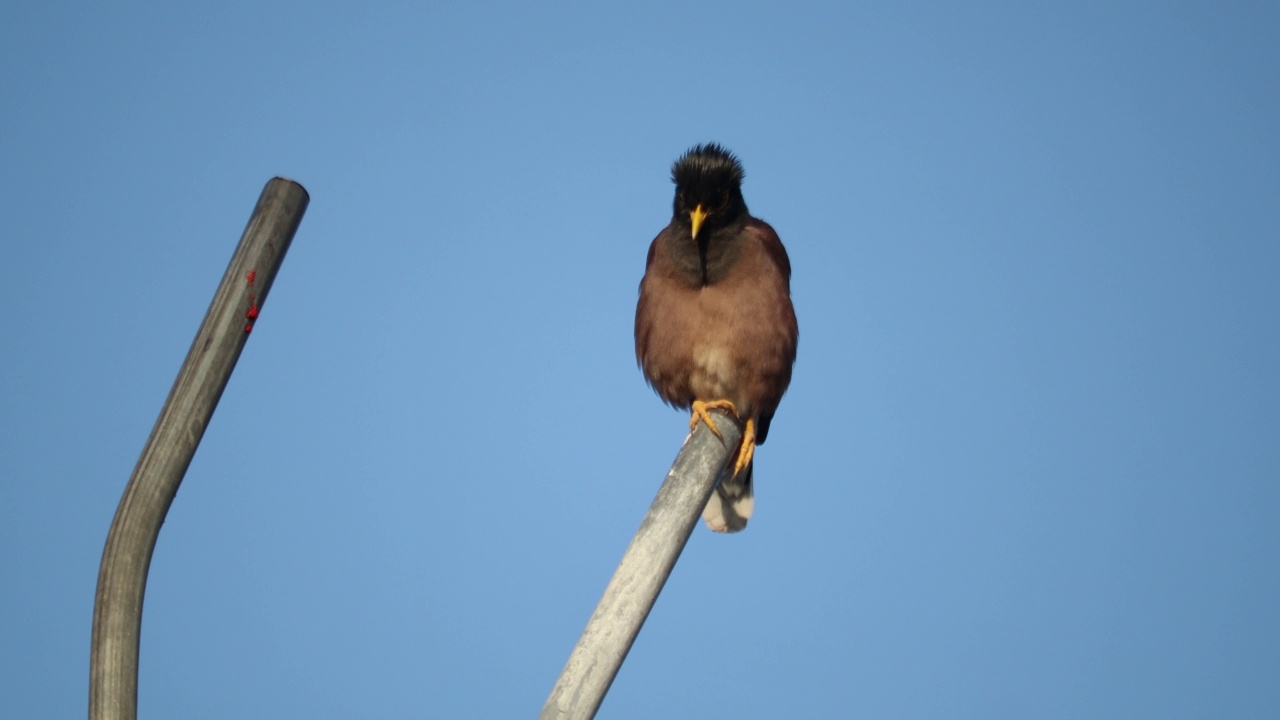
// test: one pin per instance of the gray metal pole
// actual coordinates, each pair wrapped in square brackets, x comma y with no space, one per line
[122,577]
[642,573]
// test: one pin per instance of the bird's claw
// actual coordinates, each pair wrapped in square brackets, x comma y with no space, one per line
[701,412]
[747,447]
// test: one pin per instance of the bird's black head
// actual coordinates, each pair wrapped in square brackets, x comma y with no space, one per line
[708,182]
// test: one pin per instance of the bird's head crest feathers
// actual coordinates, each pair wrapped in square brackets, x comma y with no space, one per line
[702,163]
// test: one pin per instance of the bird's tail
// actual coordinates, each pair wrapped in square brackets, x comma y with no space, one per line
[732,503]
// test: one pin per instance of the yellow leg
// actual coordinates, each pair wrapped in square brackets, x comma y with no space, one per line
[700,409]
[748,448]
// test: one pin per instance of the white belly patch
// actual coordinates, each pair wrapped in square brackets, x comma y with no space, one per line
[713,373]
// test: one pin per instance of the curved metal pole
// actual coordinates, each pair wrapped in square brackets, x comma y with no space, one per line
[642,573]
[122,577]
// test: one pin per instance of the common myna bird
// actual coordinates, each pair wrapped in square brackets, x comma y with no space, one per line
[714,326]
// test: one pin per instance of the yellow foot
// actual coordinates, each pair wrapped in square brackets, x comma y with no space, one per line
[700,409]
[748,448]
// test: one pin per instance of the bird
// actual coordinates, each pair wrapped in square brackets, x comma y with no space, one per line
[715,326]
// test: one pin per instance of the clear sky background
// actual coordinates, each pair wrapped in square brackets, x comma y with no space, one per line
[1029,465]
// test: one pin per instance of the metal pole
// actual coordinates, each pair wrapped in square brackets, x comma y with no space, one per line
[642,573]
[122,577]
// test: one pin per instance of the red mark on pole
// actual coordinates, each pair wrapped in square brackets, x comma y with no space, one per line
[252,312]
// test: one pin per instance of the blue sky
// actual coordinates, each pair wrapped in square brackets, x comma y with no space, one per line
[1028,465]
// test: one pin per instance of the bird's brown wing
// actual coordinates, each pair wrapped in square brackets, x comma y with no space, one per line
[663,326]
[778,342]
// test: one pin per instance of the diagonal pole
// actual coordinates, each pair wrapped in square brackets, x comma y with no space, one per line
[122,577]
[644,569]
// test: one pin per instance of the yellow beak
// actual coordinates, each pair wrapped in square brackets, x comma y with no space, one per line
[696,217]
